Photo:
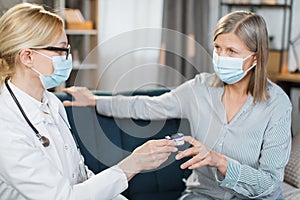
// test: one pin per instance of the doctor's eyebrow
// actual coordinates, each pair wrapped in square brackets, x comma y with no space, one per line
[63,43]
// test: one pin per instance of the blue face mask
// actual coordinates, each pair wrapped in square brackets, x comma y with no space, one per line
[62,70]
[229,69]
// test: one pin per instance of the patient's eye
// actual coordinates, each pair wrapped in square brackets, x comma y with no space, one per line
[232,52]
[218,49]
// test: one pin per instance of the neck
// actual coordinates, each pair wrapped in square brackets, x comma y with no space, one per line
[29,82]
[240,88]
[236,90]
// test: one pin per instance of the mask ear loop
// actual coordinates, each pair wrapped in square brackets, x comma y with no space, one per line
[35,70]
[252,65]
[42,54]
[250,68]
[248,56]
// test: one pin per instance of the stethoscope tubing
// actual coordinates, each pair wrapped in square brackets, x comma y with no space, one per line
[44,140]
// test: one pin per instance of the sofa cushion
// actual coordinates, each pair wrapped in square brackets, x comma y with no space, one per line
[292,172]
[289,192]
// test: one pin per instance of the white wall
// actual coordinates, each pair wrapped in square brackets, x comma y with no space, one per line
[122,32]
[295,35]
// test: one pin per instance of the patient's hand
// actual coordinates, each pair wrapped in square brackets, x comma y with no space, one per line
[202,156]
[82,97]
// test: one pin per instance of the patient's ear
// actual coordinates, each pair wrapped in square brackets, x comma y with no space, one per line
[26,58]
[255,59]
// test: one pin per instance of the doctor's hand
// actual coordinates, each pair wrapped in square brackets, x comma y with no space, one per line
[148,156]
[202,156]
[82,97]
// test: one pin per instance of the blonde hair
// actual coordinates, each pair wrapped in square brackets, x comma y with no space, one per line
[250,28]
[25,26]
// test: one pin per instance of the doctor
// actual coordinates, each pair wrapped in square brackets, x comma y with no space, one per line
[39,158]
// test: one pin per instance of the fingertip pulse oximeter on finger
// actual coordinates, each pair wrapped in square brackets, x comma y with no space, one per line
[177,137]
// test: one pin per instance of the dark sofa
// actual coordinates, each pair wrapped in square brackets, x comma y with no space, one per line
[104,141]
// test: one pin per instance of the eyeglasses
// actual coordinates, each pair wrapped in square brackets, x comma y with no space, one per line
[50,48]
[67,50]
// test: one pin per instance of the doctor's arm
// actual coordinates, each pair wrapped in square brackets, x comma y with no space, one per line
[33,174]
[148,156]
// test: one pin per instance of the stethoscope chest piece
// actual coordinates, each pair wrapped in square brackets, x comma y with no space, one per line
[45,141]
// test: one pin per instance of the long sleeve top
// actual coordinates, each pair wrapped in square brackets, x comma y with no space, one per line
[256,142]
[28,170]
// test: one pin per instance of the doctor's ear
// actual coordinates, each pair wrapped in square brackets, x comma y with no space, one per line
[26,58]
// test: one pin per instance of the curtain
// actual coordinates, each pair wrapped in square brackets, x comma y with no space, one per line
[185,43]
[129,41]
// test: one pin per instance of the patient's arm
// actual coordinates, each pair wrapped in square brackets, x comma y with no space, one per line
[174,104]
[82,97]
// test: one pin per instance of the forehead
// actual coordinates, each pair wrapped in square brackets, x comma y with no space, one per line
[230,40]
[60,39]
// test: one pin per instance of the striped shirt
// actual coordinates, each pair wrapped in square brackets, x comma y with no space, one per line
[256,141]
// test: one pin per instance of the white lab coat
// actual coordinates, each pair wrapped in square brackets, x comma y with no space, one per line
[30,171]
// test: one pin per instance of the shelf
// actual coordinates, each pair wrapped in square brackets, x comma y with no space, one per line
[83,38]
[84,66]
[256,5]
[81,32]
[288,77]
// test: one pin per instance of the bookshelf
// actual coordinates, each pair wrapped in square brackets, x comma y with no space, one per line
[81,18]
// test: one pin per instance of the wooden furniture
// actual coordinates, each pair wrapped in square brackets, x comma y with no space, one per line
[82,39]
[287,80]
[288,77]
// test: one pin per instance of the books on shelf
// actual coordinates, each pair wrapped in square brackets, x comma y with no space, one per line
[75,20]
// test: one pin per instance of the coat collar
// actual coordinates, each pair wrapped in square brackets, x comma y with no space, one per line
[36,111]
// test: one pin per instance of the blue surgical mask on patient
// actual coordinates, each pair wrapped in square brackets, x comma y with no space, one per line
[62,70]
[229,69]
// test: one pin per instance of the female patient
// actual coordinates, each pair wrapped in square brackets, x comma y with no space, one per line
[240,120]
[39,158]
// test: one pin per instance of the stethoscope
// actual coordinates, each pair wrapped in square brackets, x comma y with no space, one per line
[43,139]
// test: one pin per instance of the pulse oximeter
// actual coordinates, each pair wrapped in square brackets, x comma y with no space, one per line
[177,137]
